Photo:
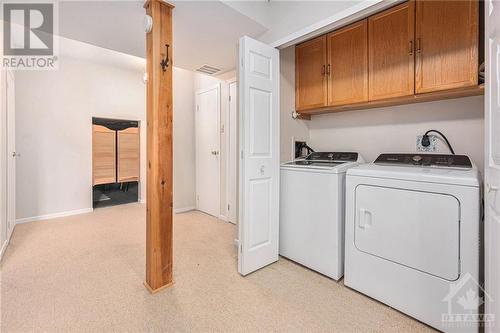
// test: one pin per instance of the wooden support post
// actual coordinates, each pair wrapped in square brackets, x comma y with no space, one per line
[159,219]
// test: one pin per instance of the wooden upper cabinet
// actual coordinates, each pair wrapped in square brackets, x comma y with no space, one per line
[310,74]
[347,67]
[103,155]
[128,154]
[390,52]
[447,45]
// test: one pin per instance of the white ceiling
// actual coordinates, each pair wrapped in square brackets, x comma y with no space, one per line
[283,18]
[205,32]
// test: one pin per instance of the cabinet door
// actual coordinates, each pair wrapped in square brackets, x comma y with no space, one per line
[447,44]
[347,68]
[310,74]
[390,52]
[103,155]
[128,155]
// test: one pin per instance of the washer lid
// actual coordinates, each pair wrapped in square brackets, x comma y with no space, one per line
[318,166]
[430,174]
[334,162]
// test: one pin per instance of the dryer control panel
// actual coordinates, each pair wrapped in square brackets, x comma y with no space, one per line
[333,156]
[432,160]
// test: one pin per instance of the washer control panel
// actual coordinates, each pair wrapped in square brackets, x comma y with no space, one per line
[333,156]
[432,160]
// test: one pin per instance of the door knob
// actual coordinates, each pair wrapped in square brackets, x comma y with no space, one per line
[491,195]
[262,170]
[215,152]
[491,188]
[14,154]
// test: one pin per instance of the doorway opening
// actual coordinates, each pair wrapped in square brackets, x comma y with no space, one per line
[115,162]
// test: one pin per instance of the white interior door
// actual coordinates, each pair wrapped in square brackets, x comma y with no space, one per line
[232,154]
[207,150]
[258,223]
[11,154]
[492,163]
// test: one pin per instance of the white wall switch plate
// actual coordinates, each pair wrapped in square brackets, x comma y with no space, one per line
[431,148]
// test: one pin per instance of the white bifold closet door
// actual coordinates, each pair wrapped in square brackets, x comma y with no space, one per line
[492,164]
[258,223]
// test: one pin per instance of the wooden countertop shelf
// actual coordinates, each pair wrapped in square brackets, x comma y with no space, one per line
[420,98]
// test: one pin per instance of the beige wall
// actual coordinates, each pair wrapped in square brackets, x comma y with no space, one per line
[390,129]
[184,152]
[289,127]
[54,110]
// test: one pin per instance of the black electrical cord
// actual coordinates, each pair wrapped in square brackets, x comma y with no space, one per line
[426,141]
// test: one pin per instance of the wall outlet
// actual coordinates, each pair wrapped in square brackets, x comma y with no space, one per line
[431,148]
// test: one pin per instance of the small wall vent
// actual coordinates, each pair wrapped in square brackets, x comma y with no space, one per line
[210,70]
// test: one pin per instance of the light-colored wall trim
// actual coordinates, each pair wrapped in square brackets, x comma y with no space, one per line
[4,247]
[6,243]
[342,18]
[183,210]
[78,212]
[55,215]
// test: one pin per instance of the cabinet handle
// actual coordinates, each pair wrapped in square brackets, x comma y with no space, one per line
[323,70]
[419,49]
[411,48]
[328,69]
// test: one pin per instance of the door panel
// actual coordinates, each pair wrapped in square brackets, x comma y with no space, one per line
[347,68]
[447,45]
[258,221]
[408,234]
[310,74]
[128,154]
[492,162]
[390,52]
[259,213]
[260,122]
[103,155]
[207,151]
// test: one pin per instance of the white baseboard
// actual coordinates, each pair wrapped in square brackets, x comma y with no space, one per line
[53,216]
[184,209]
[4,247]
[6,243]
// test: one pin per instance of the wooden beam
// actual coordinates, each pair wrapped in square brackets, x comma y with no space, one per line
[159,191]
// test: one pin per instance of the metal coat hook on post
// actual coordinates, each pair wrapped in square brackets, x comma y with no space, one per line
[165,62]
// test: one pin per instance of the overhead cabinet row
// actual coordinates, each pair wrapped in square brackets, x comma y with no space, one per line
[414,48]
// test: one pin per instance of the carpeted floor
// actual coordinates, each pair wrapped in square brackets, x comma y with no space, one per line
[84,274]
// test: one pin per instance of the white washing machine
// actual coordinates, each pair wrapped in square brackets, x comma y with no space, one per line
[413,237]
[312,200]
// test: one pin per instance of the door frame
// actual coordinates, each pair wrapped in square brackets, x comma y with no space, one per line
[198,92]
[7,207]
[140,184]
[11,163]
[229,165]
